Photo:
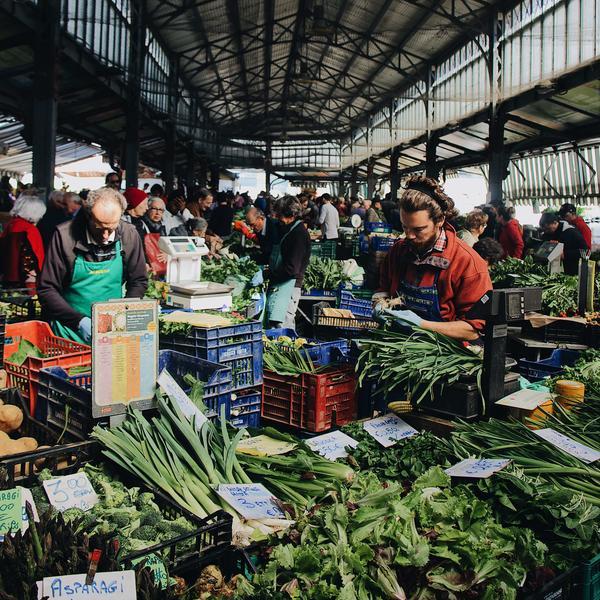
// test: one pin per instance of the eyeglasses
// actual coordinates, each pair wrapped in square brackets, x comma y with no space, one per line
[158,209]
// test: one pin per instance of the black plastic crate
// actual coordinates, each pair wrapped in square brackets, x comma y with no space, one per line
[65,401]
[212,533]
[2,336]
[563,587]
[463,399]
[548,367]
[24,305]
[558,332]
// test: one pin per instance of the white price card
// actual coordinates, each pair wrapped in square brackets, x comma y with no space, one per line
[116,585]
[569,445]
[251,500]
[332,445]
[478,468]
[389,429]
[174,391]
[71,491]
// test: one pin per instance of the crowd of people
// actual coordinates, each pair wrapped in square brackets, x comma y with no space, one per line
[76,249]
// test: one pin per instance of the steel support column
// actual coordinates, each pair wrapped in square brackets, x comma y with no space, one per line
[353,182]
[45,94]
[190,167]
[171,129]
[432,168]
[203,175]
[268,167]
[136,64]
[371,180]
[341,185]
[394,174]
[215,172]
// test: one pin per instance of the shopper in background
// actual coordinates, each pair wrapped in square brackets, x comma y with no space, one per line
[62,207]
[91,259]
[137,205]
[288,261]
[266,230]
[221,218]
[490,250]
[475,224]
[6,194]
[568,212]
[21,246]
[492,228]
[113,180]
[571,238]
[200,204]
[176,214]
[153,228]
[375,213]
[310,211]
[329,219]
[511,233]
[438,278]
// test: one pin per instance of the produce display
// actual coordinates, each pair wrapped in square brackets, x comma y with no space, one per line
[412,361]
[324,274]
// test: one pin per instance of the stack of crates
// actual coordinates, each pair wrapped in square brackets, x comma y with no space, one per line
[238,347]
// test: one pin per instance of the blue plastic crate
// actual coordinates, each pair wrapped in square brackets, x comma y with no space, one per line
[246,401]
[321,353]
[216,377]
[378,227]
[319,293]
[246,420]
[382,244]
[357,306]
[537,370]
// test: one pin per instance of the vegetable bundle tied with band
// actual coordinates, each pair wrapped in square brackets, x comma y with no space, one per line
[414,361]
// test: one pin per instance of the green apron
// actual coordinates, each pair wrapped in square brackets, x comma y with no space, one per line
[280,294]
[91,282]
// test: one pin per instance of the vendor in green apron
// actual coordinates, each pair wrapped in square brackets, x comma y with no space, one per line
[287,264]
[94,258]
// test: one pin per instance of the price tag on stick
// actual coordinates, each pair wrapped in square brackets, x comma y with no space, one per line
[332,445]
[71,491]
[11,511]
[251,500]
[568,445]
[477,468]
[389,429]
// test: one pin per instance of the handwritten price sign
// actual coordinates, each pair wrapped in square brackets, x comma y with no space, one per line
[252,501]
[332,445]
[71,491]
[568,445]
[10,511]
[477,468]
[117,585]
[389,429]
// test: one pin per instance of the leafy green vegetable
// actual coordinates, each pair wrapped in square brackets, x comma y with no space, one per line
[24,351]
[324,274]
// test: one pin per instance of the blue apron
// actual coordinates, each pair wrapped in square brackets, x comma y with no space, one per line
[280,294]
[422,300]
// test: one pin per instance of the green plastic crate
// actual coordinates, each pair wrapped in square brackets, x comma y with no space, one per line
[590,579]
[324,249]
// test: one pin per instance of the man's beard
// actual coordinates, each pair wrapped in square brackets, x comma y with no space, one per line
[421,247]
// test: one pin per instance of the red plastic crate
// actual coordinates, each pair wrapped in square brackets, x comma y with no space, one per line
[310,402]
[60,352]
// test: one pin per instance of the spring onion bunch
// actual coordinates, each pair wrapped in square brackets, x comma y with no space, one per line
[534,455]
[415,360]
[167,452]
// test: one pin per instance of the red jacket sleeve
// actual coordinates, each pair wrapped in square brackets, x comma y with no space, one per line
[586,232]
[515,237]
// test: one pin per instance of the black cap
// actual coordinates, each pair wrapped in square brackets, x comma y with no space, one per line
[567,208]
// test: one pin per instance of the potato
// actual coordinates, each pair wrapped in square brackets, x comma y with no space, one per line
[11,418]
[28,444]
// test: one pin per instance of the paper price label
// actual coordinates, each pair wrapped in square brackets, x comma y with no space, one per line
[251,500]
[174,391]
[71,491]
[332,445]
[157,566]
[568,445]
[116,585]
[389,429]
[11,512]
[478,468]
[263,445]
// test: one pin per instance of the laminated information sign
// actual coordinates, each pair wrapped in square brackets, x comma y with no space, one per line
[124,355]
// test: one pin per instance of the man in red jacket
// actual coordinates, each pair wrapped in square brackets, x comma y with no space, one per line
[511,233]
[568,212]
[437,275]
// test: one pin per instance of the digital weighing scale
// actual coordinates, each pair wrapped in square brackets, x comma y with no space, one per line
[550,253]
[184,255]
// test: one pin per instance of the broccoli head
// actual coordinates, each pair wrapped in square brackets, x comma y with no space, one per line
[146,533]
[145,502]
[181,525]
[151,517]
[73,514]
